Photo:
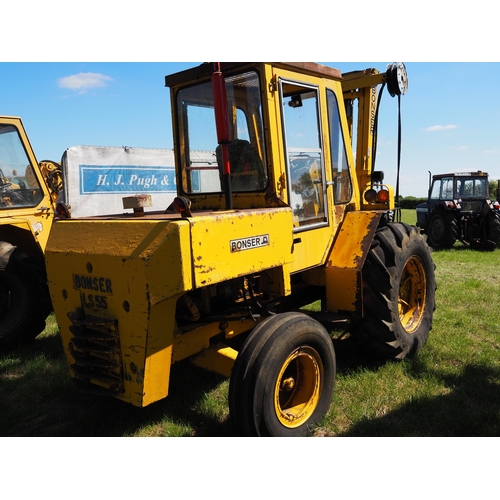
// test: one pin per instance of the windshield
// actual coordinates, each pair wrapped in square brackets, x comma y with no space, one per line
[18,184]
[472,187]
[201,158]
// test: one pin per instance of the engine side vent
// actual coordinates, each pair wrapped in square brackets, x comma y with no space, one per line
[96,351]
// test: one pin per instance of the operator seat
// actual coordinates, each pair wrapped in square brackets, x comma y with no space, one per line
[247,169]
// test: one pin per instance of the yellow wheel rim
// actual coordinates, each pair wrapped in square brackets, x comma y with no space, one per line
[412,294]
[298,387]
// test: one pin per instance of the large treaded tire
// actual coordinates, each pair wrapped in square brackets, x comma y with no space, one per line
[493,227]
[442,230]
[283,379]
[24,299]
[398,293]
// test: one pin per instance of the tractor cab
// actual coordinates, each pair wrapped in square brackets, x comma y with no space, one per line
[269,135]
[278,144]
[459,208]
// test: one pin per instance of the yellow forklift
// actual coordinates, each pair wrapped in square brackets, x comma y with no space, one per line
[282,211]
[28,196]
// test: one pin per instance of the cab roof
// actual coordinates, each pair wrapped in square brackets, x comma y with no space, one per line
[206,69]
[479,173]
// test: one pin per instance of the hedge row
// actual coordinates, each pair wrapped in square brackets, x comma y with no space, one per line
[410,202]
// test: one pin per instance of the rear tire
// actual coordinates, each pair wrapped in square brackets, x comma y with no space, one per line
[398,293]
[283,378]
[493,227]
[24,299]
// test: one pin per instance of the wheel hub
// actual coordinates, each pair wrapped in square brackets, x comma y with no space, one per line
[412,294]
[298,387]
[288,384]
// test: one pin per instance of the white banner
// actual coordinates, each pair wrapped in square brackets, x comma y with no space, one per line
[96,178]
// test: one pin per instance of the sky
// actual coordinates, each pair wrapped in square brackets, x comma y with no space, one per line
[95,76]
[447,125]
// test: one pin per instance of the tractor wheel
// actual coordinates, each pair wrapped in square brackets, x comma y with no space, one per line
[493,227]
[442,230]
[24,299]
[283,378]
[399,289]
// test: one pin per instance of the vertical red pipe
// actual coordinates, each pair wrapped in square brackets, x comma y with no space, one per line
[222,126]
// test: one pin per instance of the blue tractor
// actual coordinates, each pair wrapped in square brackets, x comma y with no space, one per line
[459,208]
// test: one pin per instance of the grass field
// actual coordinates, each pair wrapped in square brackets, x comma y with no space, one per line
[450,388]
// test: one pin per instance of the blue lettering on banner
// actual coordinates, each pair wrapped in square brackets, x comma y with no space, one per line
[96,179]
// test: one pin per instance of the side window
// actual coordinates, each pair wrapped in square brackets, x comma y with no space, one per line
[304,155]
[447,189]
[18,184]
[342,183]
[442,189]
[436,190]
[202,172]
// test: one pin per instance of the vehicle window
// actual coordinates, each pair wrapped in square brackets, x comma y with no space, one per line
[447,188]
[304,155]
[442,189]
[18,184]
[201,160]
[340,168]
[436,190]
[472,187]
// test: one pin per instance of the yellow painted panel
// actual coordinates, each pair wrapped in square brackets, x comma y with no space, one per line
[218,359]
[311,247]
[346,260]
[198,339]
[132,272]
[354,239]
[343,289]
[226,245]
[159,351]
[158,243]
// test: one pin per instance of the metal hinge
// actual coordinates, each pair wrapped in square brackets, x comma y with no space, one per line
[273,86]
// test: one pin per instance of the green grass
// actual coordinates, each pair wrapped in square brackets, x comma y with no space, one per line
[450,388]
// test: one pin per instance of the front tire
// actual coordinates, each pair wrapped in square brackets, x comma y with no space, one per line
[442,230]
[398,293]
[24,299]
[283,378]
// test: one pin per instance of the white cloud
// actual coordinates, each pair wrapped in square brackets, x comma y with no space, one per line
[84,81]
[492,151]
[440,128]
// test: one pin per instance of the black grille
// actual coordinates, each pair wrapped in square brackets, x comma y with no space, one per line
[95,349]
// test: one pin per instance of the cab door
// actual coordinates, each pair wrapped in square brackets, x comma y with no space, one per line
[305,163]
